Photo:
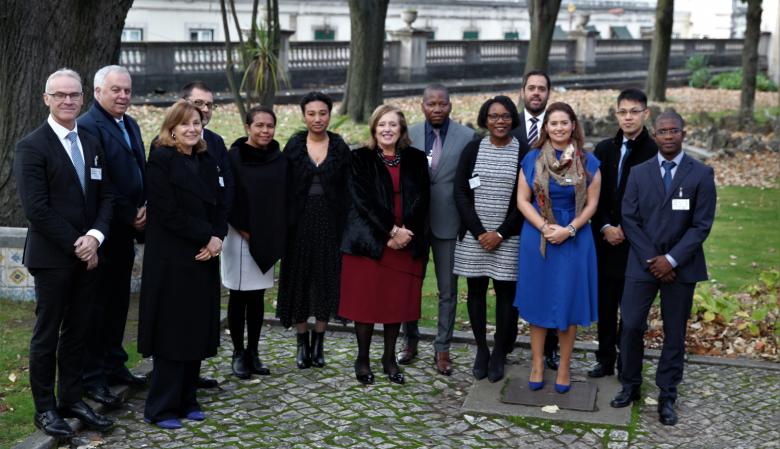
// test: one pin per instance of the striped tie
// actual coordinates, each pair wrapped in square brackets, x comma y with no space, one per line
[77,158]
[534,132]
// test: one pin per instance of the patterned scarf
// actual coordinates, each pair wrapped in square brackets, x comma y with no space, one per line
[566,171]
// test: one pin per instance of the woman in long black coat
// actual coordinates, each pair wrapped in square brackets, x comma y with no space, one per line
[179,308]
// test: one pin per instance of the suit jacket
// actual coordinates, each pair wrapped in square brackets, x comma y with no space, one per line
[612,259]
[370,218]
[653,228]
[444,217]
[216,148]
[121,160]
[520,132]
[53,202]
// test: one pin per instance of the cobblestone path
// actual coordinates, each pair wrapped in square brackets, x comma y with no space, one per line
[719,407]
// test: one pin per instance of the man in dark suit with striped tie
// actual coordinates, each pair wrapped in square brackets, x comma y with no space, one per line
[534,95]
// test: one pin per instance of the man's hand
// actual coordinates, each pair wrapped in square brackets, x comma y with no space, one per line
[660,267]
[669,278]
[92,263]
[140,219]
[86,247]
[489,240]
[614,235]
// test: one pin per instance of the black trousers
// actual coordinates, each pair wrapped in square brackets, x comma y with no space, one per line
[676,301]
[105,354]
[172,391]
[506,313]
[64,298]
[610,294]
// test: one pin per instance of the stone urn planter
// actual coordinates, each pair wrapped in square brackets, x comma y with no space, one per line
[409,16]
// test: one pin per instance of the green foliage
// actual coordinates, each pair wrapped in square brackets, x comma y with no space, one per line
[733,81]
[696,62]
[699,78]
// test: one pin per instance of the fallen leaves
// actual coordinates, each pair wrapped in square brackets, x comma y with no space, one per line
[550,409]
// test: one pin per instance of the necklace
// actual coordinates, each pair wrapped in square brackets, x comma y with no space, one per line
[395,161]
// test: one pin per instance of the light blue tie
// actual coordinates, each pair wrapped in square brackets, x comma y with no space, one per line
[121,124]
[77,158]
[668,166]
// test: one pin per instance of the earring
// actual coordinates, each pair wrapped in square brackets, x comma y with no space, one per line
[173,136]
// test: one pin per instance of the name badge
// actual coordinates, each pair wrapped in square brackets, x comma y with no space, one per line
[221,181]
[96,174]
[681,204]
[430,161]
[474,182]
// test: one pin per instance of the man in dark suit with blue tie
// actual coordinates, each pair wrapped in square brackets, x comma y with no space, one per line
[119,135]
[668,210]
[66,196]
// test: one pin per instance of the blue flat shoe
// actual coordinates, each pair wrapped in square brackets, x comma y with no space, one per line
[562,388]
[196,415]
[166,423]
[534,386]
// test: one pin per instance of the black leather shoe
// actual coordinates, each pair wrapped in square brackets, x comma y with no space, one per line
[408,354]
[551,359]
[601,370]
[53,425]
[390,367]
[666,413]
[125,377]
[363,374]
[84,412]
[496,365]
[254,364]
[207,382]
[238,365]
[625,397]
[103,395]
[303,356]
[317,351]
[480,368]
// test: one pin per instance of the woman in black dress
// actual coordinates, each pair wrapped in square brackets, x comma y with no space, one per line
[179,307]
[311,267]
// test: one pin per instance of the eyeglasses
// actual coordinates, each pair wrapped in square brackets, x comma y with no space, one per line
[61,96]
[632,112]
[668,131]
[499,117]
[201,103]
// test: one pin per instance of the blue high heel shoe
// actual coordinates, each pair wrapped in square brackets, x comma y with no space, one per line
[562,388]
[169,424]
[534,386]
[196,415]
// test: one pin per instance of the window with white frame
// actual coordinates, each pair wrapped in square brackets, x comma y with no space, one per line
[132,34]
[202,34]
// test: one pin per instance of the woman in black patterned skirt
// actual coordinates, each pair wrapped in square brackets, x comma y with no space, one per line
[311,267]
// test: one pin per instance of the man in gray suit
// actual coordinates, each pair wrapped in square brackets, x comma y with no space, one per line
[443,141]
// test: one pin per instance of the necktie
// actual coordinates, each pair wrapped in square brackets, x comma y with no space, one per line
[533,133]
[121,124]
[77,158]
[629,146]
[668,166]
[436,149]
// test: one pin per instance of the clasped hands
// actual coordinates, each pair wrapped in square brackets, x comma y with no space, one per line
[661,268]
[555,234]
[489,240]
[400,237]
[86,250]
[614,235]
[212,249]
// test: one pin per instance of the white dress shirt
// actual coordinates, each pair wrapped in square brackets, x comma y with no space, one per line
[528,122]
[677,159]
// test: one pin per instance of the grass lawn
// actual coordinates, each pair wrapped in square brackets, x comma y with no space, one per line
[16,407]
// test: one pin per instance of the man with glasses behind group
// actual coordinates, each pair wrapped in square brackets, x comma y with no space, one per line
[201,96]
[631,145]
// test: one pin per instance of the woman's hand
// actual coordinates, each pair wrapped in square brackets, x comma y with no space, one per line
[489,240]
[403,236]
[393,244]
[214,246]
[556,234]
[203,255]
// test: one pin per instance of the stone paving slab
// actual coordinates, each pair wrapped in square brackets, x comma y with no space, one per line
[719,407]
[485,398]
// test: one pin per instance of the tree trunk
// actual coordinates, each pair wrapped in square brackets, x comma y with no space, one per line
[750,62]
[363,92]
[229,63]
[659,51]
[274,42]
[543,14]
[87,37]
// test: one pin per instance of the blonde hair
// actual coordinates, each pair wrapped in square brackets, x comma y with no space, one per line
[176,115]
[403,141]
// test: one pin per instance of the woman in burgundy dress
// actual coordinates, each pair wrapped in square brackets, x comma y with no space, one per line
[384,243]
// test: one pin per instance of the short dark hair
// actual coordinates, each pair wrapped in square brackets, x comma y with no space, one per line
[633,95]
[436,87]
[251,113]
[316,96]
[666,115]
[505,102]
[537,73]
[186,91]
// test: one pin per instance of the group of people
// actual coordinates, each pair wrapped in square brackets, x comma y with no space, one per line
[567,237]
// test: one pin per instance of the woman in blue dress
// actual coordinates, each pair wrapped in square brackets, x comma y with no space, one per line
[558,190]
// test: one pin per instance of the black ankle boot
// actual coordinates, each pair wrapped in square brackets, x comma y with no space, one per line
[496,364]
[480,369]
[239,367]
[317,354]
[303,357]
[254,364]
